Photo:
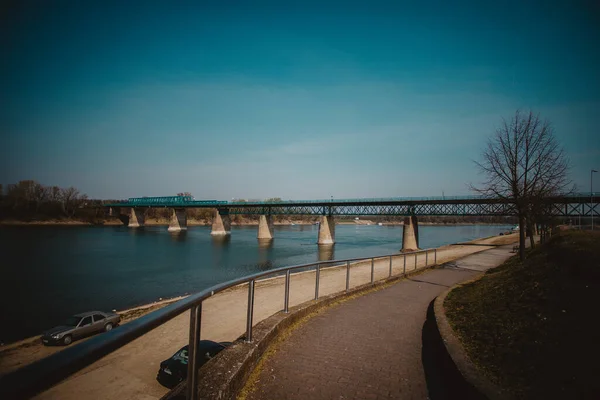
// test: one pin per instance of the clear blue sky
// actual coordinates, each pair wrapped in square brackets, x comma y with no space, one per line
[288,99]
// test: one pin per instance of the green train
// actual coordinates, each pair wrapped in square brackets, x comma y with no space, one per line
[170,200]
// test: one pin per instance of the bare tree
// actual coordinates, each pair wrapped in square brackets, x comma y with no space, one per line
[524,164]
[40,195]
[71,199]
[54,194]
[21,194]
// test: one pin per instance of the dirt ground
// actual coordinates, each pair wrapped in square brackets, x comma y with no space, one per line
[130,371]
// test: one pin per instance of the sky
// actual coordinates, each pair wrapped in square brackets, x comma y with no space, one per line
[298,100]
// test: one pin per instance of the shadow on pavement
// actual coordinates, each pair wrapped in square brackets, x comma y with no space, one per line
[444,381]
[431,283]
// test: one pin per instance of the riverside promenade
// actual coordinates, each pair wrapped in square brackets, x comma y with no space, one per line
[376,346]
[130,371]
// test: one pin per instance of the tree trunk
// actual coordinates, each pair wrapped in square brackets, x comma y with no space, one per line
[530,233]
[522,237]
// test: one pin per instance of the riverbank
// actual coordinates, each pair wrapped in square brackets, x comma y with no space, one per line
[133,367]
[82,268]
[192,222]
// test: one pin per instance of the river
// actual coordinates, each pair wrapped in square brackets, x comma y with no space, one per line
[51,272]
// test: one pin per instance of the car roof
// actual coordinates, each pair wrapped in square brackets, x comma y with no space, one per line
[88,313]
[207,345]
[204,345]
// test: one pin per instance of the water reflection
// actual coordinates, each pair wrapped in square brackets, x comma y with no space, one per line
[220,242]
[265,254]
[137,231]
[265,265]
[178,236]
[265,243]
[326,252]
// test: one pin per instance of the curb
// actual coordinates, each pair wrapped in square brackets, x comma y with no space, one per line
[225,376]
[457,352]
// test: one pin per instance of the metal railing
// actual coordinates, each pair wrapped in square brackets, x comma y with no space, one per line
[49,371]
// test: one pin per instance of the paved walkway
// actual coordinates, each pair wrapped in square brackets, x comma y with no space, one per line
[370,347]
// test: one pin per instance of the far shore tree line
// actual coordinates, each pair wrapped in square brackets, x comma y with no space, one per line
[31,200]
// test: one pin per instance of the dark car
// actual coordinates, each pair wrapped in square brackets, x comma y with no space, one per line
[79,326]
[174,370]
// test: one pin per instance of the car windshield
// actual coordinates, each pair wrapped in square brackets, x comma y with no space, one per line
[72,321]
[182,356]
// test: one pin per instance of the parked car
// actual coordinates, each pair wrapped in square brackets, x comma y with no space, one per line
[81,325]
[174,369]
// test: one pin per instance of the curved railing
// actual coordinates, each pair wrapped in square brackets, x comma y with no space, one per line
[49,371]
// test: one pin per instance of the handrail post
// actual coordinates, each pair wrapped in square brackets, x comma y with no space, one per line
[250,312]
[404,272]
[286,300]
[390,275]
[318,272]
[347,276]
[195,323]
[372,270]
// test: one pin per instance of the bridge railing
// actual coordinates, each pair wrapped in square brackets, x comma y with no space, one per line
[370,200]
[389,199]
[47,372]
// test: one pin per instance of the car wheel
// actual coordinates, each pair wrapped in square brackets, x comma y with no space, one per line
[108,327]
[67,340]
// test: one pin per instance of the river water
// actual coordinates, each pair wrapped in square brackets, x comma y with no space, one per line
[50,272]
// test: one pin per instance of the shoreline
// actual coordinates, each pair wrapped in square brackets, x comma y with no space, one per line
[132,368]
[247,223]
[131,313]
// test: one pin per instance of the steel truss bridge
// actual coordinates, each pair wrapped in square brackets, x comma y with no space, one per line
[576,205]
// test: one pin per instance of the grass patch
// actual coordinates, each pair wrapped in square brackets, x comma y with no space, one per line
[533,327]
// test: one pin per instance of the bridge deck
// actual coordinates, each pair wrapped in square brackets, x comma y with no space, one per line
[572,206]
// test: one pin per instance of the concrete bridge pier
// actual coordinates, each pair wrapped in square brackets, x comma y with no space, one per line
[137,217]
[221,225]
[178,220]
[326,230]
[265,227]
[410,234]
[122,213]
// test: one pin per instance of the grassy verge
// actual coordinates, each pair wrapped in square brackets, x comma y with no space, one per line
[533,327]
